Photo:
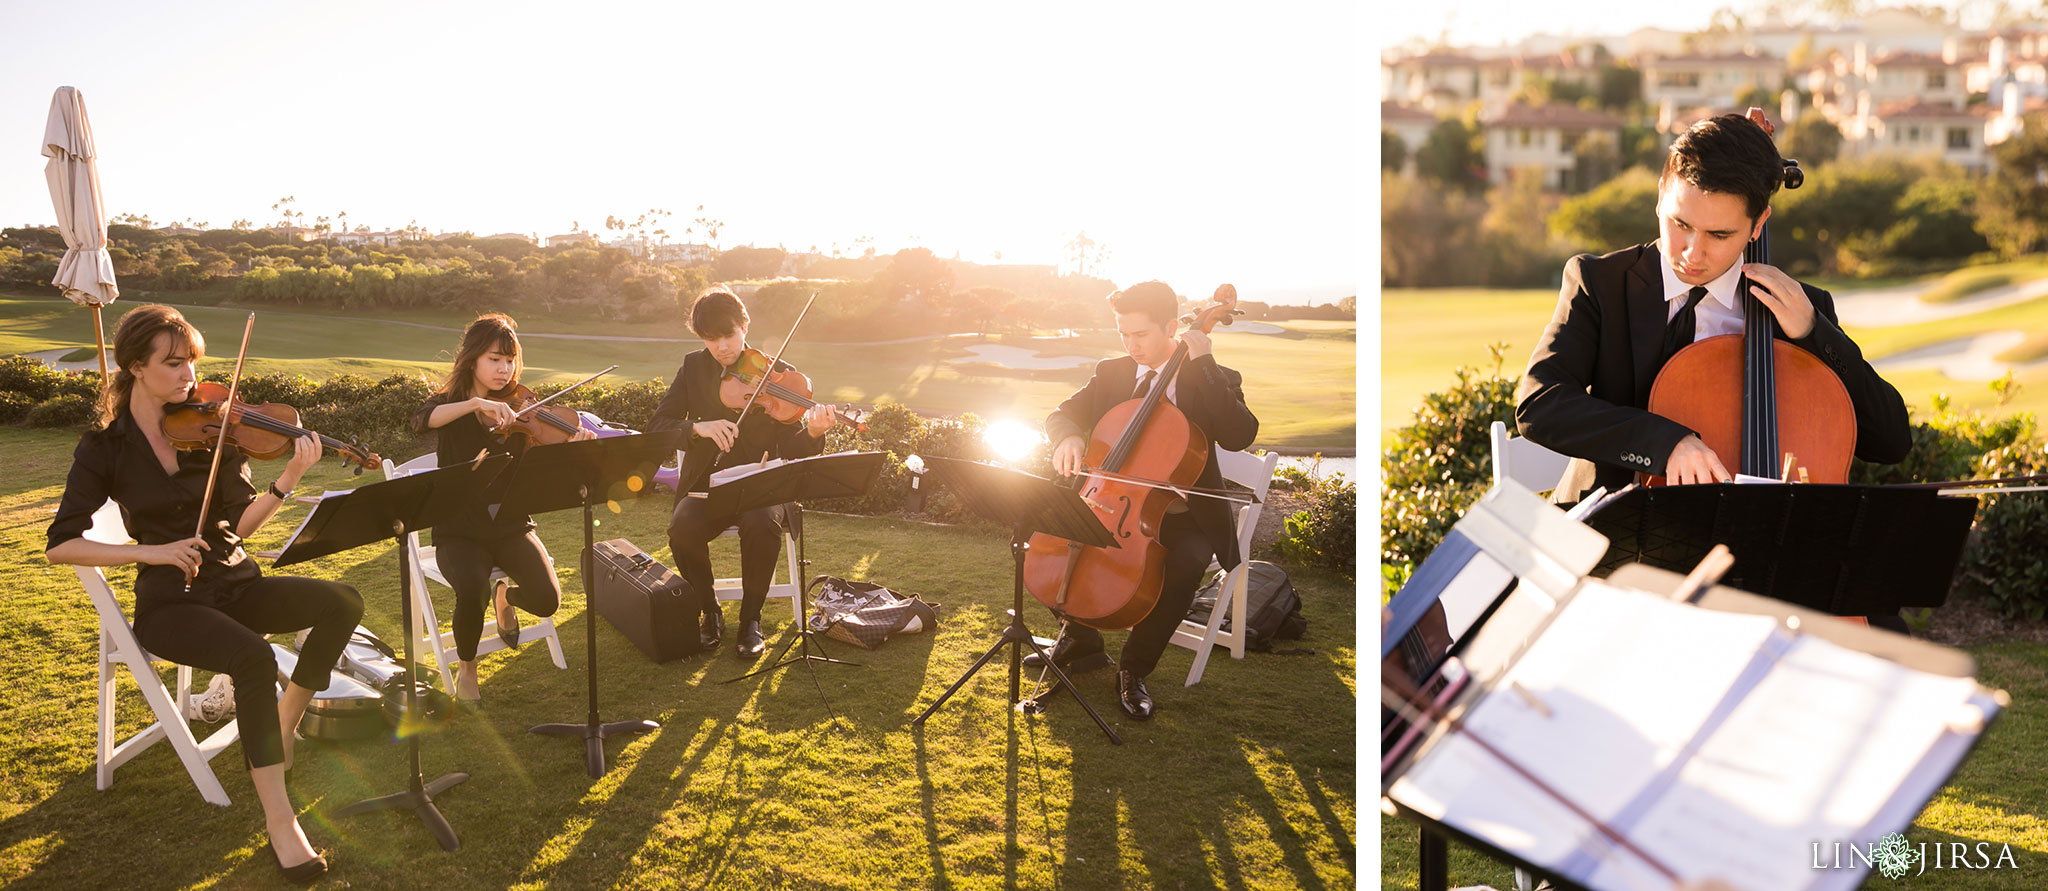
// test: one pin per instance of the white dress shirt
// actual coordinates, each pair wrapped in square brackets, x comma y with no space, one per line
[1718,313]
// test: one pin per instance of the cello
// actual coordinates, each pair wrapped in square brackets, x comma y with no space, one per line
[1730,389]
[1140,452]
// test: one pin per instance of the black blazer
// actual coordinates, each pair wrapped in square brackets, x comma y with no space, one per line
[1209,394]
[693,397]
[1588,382]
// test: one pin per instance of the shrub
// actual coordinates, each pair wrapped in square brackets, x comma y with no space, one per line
[1948,446]
[375,414]
[28,377]
[2004,561]
[1441,464]
[899,433]
[64,410]
[1325,533]
[14,407]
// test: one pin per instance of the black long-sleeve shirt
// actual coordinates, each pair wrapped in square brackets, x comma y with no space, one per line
[693,397]
[460,441]
[159,508]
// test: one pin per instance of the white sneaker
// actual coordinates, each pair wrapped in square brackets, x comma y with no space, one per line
[217,704]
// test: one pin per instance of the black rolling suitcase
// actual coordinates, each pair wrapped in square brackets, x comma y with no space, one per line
[649,604]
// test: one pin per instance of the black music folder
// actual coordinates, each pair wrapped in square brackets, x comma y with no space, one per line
[1846,550]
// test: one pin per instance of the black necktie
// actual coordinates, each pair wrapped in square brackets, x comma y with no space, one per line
[1144,384]
[1678,335]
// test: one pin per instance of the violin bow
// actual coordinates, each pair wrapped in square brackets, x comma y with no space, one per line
[762,384]
[540,402]
[227,417]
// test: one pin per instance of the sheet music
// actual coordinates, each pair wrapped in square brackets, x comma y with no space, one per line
[742,471]
[1719,743]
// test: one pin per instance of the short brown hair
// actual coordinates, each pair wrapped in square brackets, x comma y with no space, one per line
[716,313]
[1728,154]
[1152,298]
[135,342]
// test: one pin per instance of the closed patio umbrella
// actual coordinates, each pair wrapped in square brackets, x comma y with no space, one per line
[87,271]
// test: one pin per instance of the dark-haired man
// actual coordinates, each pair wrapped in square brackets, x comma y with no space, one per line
[1620,316]
[1210,395]
[716,442]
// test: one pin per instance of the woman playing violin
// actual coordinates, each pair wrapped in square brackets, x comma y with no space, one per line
[1211,396]
[467,416]
[218,620]
[719,439]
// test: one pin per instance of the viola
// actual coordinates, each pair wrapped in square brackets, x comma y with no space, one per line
[539,424]
[785,397]
[1729,388]
[264,430]
[1139,453]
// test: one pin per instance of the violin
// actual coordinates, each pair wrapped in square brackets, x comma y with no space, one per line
[540,424]
[264,430]
[1743,424]
[1140,452]
[786,397]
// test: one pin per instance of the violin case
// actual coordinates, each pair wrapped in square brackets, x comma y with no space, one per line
[364,696]
[648,603]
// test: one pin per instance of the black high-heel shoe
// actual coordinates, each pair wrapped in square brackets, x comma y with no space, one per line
[510,635]
[303,873]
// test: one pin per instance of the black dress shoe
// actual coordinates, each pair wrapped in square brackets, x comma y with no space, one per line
[1067,650]
[711,626]
[750,643]
[1132,695]
[303,873]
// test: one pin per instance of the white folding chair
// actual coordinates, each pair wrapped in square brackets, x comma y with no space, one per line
[1531,466]
[1255,473]
[425,566]
[730,589]
[118,647]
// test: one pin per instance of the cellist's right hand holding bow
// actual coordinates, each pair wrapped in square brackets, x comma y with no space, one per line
[1067,456]
[1692,462]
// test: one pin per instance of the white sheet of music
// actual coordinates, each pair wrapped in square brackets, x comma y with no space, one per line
[1720,744]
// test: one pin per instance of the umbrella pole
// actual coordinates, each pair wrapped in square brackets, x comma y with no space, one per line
[99,336]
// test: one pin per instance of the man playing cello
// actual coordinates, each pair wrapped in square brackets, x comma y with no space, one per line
[1621,316]
[1210,395]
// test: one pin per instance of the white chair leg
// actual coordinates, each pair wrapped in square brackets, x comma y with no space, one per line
[1240,595]
[172,726]
[104,756]
[554,639]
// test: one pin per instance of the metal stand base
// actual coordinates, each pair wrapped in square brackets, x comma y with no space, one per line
[419,795]
[1017,637]
[592,731]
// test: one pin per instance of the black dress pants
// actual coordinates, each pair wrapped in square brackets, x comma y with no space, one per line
[227,636]
[467,563]
[690,532]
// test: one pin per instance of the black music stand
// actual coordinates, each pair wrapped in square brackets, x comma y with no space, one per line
[1026,504]
[1846,550]
[390,510]
[841,475]
[571,474]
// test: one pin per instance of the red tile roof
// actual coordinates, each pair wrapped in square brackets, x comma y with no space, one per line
[1519,115]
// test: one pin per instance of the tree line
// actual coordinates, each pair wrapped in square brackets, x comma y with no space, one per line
[1862,217]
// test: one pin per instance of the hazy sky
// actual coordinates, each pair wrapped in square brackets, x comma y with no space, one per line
[1199,142]
[1497,22]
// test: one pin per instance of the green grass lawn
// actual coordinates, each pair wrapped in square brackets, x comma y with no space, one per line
[1301,383]
[1247,780]
[1999,796]
[1429,332]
